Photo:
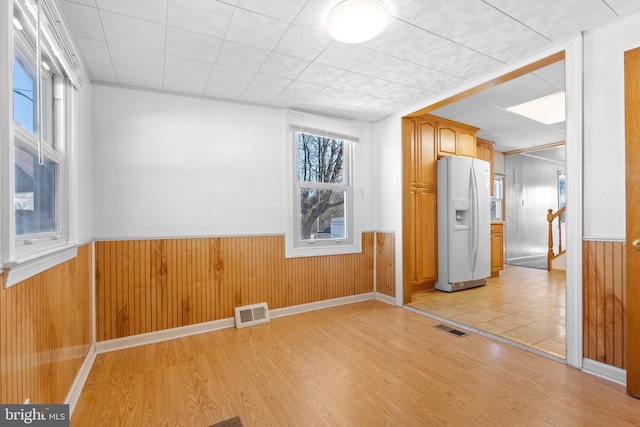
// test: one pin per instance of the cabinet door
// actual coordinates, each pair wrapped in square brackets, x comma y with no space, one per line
[426,229]
[484,151]
[422,245]
[466,144]
[497,249]
[447,137]
[427,153]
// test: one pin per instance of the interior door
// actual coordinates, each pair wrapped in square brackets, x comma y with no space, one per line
[632,146]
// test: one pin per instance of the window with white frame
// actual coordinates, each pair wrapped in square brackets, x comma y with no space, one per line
[323,177]
[40,76]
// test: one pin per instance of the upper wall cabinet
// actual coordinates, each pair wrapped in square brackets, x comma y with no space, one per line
[484,151]
[455,139]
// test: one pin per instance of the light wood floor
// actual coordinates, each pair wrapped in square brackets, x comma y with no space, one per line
[365,364]
[525,305]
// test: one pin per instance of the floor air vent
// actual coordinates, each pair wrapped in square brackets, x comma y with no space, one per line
[250,315]
[451,330]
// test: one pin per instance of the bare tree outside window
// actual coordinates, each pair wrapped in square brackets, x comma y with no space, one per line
[322,181]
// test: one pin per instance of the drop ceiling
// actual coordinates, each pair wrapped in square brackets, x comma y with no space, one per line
[277,53]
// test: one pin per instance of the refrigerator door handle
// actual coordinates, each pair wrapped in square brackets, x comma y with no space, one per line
[475,220]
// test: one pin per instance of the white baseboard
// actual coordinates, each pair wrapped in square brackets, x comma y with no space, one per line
[319,305]
[81,378]
[164,335]
[385,298]
[184,331]
[602,370]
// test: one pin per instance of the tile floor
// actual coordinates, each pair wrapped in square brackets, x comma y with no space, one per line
[525,305]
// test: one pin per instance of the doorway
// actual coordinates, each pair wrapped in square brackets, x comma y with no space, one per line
[445,109]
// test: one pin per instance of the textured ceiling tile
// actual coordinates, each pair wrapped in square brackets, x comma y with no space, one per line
[342,55]
[516,91]
[454,110]
[137,59]
[155,10]
[133,32]
[553,74]
[623,7]
[139,78]
[320,74]
[288,101]
[192,45]
[409,10]
[174,84]
[558,20]
[482,27]
[223,91]
[281,65]
[314,14]
[101,72]
[416,45]
[302,90]
[255,30]
[367,85]
[256,97]
[240,56]
[94,50]
[84,21]
[201,16]
[349,99]
[232,77]
[187,68]
[284,10]
[266,83]
[398,70]
[303,43]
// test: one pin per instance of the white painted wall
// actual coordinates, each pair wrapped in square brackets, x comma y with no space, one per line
[604,161]
[84,168]
[173,166]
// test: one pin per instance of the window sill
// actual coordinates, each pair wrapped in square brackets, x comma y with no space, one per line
[322,250]
[26,267]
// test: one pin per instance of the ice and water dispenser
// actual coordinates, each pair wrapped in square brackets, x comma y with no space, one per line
[462,212]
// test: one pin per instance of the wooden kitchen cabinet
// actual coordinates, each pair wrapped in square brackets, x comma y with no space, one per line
[455,139]
[419,203]
[484,151]
[497,249]
[424,140]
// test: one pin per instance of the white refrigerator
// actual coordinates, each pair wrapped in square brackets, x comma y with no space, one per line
[464,223]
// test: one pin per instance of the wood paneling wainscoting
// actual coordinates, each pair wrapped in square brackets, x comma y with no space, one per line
[604,302]
[386,264]
[150,285]
[45,326]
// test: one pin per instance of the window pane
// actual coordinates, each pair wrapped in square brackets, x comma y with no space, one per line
[322,214]
[35,194]
[320,159]
[23,96]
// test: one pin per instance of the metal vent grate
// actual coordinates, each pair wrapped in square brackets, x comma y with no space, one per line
[249,315]
[451,330]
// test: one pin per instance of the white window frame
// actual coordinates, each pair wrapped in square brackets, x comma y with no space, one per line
[348,132]
[26,255]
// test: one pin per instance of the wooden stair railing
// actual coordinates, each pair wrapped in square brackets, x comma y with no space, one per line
[550,217]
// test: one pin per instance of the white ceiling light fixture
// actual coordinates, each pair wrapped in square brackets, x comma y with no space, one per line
[356,21]
[549,109]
